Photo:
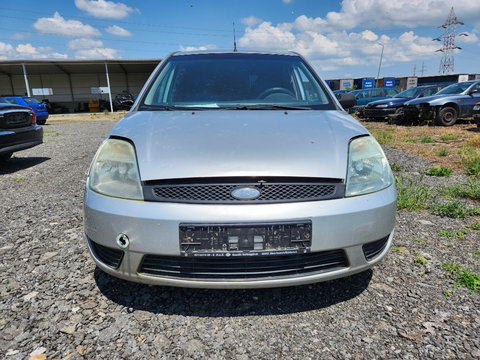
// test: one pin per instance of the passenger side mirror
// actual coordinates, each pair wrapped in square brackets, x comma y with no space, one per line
[347,100]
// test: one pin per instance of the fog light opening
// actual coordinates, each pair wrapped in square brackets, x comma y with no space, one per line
[122,241]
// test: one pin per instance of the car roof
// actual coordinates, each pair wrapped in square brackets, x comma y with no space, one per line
[215,52]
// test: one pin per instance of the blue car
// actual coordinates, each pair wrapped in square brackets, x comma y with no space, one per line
[445,106]
[381,109]
[38,108]
[365,96]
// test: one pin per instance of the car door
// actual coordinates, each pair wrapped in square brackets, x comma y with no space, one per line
[467,102]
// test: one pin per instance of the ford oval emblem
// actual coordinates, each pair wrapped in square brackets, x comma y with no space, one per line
[245,193]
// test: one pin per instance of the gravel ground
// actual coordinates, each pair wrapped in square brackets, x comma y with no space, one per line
[55,304]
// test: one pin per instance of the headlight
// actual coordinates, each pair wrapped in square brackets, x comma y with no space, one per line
[382,106]
[114,171]
[368,169]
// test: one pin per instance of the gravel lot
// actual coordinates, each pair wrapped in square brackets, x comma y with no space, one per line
[55,304]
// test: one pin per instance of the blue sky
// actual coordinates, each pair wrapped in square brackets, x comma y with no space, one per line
[340,38]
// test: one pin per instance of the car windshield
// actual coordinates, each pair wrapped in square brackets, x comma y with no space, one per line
[409,93]
[454,89]
[235,81]
[30,100]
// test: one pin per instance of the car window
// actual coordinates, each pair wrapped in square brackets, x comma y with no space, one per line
[455,88]
[407,93]
[235,80]
[391,92]
[30,100]
[429,92]
[476,87]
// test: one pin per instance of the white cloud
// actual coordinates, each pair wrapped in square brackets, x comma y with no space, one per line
[118,31]
[87,48]
[251,21]
[27,51]
[20,35]
[267,37]
[198,48]
[57,25]
[104,9]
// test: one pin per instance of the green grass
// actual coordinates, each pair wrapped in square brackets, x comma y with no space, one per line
[475,226]
[439,171]
[471,164]
[471,190]
[19,178]
[466,151]
[443,152]
[448,137]
[411,194]
[420,260]
[446,233]
[454,209]
[395,167]
[476,252]
[413,141]
[427,140]
[463,277]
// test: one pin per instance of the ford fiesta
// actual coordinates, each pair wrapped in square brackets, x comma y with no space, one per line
[238,170]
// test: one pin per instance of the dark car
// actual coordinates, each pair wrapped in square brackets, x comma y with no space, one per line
[18,130]
[476,114]
[382,109]
[123,101]
[365,96]
[445,106]
[39,108]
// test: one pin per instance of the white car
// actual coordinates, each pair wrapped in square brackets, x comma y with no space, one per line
[238,170]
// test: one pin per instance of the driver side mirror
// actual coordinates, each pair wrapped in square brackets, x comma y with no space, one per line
[347,100]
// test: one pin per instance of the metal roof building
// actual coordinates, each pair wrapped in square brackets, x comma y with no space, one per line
[74,83]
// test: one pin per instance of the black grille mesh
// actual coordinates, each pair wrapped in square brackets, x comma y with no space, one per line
[372,249]
[221,193]
[241,268]
[109,256]
[17,119]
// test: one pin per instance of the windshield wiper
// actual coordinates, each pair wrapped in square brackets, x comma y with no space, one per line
[174,107]
[271,107]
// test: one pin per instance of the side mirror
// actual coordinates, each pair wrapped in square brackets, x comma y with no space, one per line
[347,100]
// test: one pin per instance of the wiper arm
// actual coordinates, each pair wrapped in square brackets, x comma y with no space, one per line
[271,106]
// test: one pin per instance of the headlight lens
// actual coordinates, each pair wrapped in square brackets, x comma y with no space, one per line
[114,171]
[382,106]
[368,168]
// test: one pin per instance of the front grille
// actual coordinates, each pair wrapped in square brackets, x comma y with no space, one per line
[242,268]
[371,250]
[15,119]
[109,256]
[221,192]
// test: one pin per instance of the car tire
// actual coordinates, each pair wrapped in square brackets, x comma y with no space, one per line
[5,157]
[397,117]
[41,122]
[447,116]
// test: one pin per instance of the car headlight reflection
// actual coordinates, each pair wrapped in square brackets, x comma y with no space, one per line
[114,171]
[368,169]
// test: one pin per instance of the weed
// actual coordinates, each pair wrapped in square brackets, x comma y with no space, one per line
[443,152]
[460,234]
[19,178]
[452,209]
[395,167]
[448,137]
[463,277]
[472,164]
[106,112]
[427,140]
[401,250]
[475,226]
[439,171]
[476,252]
[411,195]
[466,151]
[452,267]
[446,233]
[413,141]
[447,293]
[420,260]
[418,240]
[471,190]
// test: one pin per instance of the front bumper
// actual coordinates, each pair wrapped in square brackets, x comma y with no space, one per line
[20,139]
[338,226]
[378,112]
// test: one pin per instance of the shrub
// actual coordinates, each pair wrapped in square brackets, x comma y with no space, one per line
[439,171]
[443,152]
[427,140]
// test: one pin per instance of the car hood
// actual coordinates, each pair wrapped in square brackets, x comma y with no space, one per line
[221,143]
[429,99]
[392,101]
[7,106]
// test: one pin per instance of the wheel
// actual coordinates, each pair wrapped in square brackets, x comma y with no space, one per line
[5,157]
[275,90]
[41,122]
[396,117]
[447,116]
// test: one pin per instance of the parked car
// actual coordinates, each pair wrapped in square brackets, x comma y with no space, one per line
[18,130]
[238,170]
[445,106]
[123,101]
[39,108]
[365,96]
[476,114]
[382,109]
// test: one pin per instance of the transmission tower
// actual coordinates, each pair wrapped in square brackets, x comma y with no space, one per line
[448,48]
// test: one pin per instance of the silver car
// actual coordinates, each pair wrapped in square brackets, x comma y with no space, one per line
[238,170]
